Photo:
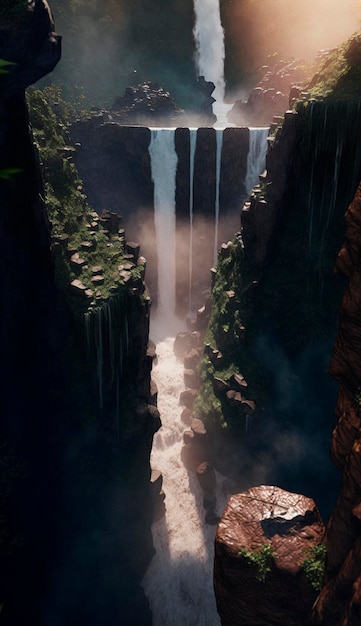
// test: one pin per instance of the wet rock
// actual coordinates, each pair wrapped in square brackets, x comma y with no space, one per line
[183,343]
[206,476]
[188,437]
[209,500]
[186,416]
[191,379]
[198,427]
[157,495]
[211,517]
[191,359]
[291,525]
[192,455]
[187,397]
[133,249]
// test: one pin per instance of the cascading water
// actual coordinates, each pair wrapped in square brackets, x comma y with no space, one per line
[256,160]
[163,158]
[210,52]
[192,152]
[219,143]
[178,582]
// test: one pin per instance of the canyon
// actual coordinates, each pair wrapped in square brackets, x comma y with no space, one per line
[78,403]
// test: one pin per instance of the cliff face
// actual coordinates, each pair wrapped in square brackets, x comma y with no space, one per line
[292,230]
[340,599]
[74,487]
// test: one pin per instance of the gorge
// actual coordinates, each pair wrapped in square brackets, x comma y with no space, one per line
[78,493]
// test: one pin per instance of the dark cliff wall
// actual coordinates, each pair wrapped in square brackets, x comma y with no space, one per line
[339,601]
[74,487]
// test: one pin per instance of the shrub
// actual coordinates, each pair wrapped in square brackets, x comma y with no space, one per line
[314,566]
[261,560]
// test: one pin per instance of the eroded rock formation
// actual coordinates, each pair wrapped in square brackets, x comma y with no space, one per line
[264,536]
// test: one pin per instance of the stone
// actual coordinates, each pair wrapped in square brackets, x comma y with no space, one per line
[78,288]
[291,525]
[87,245]
[191,379]
[191,359]
[188,437]
[133,249]
[211,517]
[206,476]
[187,397]
[220,387]
[96,269]
[97,280]
[184,342]
[77,261]
[198,427]
[186,416]
[238,381]
[192,455]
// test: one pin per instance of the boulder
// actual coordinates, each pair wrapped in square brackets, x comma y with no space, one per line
[186,416]
[198,427]
[191,359]
[206,476]
[281,527]
[187,398]
[191,379]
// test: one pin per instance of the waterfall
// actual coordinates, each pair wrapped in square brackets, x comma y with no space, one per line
[192,152]
[219,143]
[106,335]
[210,52]
[164,160]
[178,582]
[256,160]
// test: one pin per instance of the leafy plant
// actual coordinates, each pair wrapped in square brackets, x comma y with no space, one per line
[314,566]
[261,560]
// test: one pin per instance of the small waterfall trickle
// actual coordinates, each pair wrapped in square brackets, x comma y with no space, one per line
[107,342]
[192,152]
[256,160]
[219,143]
[163,158]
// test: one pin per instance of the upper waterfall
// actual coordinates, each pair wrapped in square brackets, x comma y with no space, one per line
[163,159]
[210,52]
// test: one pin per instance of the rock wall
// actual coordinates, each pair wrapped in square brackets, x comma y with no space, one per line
[74,492]
[340,600]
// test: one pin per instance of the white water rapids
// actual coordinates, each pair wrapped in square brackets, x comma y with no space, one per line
[179,582]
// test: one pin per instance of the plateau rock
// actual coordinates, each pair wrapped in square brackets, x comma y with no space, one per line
[281,526]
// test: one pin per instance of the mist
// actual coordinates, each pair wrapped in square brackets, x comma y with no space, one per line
[262,33]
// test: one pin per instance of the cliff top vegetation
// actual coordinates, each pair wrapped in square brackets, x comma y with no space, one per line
[338,72]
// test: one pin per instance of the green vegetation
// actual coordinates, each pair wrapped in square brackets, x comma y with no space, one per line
[338,75]
[261,560]
[232,311]
[74,225]
[314,566]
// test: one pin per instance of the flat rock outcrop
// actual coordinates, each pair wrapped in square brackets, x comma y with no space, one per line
[282,527]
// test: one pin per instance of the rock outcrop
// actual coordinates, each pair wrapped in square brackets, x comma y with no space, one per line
[263,539]
[271,96]
[340,599]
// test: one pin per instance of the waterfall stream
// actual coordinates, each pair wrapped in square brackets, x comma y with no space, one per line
[256,160]
[210,53]
[219,143]
[178,582]
[163,158]
[192,152]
